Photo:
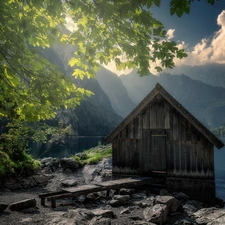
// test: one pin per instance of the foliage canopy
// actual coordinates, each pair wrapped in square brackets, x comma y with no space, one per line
[33,89]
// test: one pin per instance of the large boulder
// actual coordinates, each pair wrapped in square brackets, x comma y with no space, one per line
[156,214]
[92,173]
[120,200]
[69,164]
[24,204]
[172,203]
[210,216]
[51,163]
[40,179]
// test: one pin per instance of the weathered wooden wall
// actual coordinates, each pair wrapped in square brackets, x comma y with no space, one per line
[159,138]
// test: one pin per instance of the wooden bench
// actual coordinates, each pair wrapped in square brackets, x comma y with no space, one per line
[86,189]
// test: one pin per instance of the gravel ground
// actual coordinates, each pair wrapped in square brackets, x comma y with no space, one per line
[36,215]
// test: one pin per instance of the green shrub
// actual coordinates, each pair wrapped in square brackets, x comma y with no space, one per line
[6,165]
[94,155]
[25,165]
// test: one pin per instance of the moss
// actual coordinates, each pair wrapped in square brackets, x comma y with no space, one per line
[94,155]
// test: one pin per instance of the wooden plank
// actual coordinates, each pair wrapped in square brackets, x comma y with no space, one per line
[80,188]
[177,157]
[188,154]
[146,118]
[167,115]
[124,182]
[146,151]
[183,157]
[86,189]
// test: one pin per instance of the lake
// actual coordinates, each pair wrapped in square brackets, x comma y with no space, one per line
[77,144]
[67,148]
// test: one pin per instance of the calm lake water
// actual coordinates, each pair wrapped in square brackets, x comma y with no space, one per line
[74,145]
[220,172]
[67,148]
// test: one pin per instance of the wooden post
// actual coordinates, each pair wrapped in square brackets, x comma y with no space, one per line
[117,191]
[107,193]
[53,203]
[42,201]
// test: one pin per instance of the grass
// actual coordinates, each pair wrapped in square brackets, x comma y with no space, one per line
[94,155]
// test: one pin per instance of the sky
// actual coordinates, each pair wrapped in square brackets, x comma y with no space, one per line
[201,33]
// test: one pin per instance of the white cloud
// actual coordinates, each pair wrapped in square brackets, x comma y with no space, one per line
[208,50]
[112,67]
[170,33]
[70,25]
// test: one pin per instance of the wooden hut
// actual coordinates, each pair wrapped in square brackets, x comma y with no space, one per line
[160,137]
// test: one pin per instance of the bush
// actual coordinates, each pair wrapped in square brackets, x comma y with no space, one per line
[94,155]
[25,165]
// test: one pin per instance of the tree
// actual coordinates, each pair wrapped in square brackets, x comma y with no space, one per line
[32,89]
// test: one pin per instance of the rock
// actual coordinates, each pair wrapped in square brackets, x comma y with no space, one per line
[27,221]
[106,213]
[69,183]
[106,174]
[180,196]
[30,210]
[92,173]
[128,210]
[100,221]
[189,209]
[119,200]
[208,215]
[57,218]
[140,222]
[3,206]
[28,182]
[41,179]
[145,203]
[156,214]
[107,163]
[79,216]
[198,205]
[95,196]
[163,192]
[12,184]
[81,155]
[126,191]
[81,198]
[69,163]
[24,204]
[139,196]
[172,203]
[185,221]
[51,163]
[136,218]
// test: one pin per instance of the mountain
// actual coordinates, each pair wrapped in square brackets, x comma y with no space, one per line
[115,90]
[205,102]
[212,74]
[95,115]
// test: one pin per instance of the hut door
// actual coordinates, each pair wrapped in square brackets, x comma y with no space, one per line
[158,150]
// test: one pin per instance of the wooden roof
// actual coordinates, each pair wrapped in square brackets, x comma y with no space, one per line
[160,90]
